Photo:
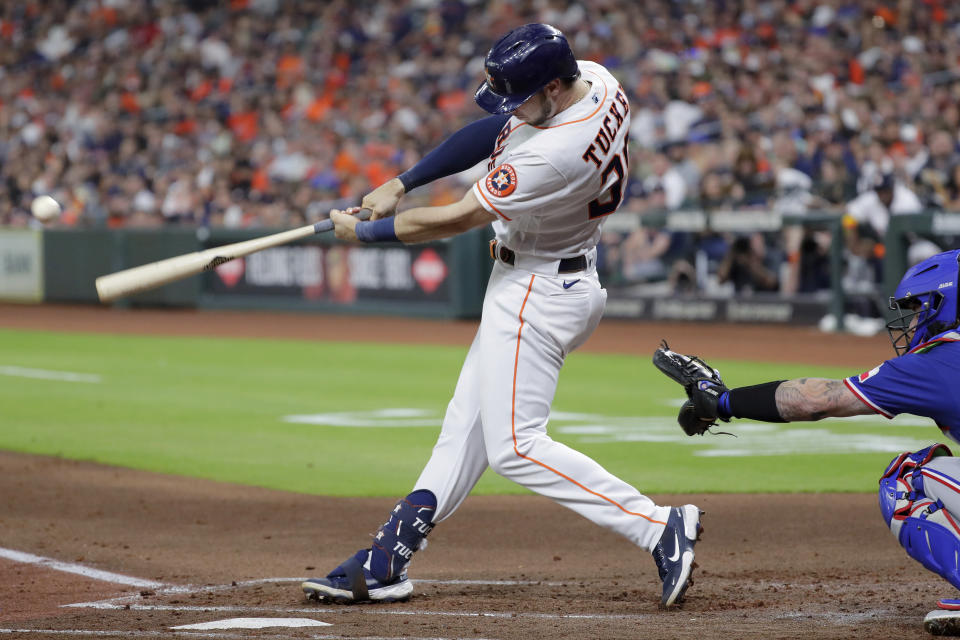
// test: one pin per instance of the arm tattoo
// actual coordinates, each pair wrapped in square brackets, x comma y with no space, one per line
[817,398]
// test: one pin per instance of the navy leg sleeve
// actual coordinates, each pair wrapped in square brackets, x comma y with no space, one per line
[393,545]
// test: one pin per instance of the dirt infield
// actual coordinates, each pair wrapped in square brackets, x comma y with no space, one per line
[744,342]
[771,566]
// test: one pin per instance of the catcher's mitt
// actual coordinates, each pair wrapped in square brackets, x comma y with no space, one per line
[702,384]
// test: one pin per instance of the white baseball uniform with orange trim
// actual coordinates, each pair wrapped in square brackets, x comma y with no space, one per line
[550,187]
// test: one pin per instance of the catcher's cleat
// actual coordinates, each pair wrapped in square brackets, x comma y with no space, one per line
[352,582]
[674,553]
[940,622]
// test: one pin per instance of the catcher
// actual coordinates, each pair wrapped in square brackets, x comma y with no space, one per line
[919,491]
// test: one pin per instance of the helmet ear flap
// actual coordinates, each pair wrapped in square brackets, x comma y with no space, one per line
[931,317]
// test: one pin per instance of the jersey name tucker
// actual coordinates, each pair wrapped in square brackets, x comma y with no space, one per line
[608,129]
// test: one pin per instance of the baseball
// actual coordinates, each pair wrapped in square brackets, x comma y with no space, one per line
[44,208]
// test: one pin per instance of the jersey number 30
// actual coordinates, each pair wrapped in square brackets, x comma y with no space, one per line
[618,164]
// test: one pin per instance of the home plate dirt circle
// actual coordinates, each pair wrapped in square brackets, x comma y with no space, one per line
[785,566]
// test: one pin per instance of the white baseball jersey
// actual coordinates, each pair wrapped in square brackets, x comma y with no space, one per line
[551,185]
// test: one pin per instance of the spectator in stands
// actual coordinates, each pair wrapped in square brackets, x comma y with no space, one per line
[643,255]
[874,166]
[753,181]
[953,190]
[245,108]
[718,191]
[933,180]
[678,155]
[836,186]
[888,197]
[813,263]
[915,153]
[793,192]
[865,223]
[744,267]
[665,187]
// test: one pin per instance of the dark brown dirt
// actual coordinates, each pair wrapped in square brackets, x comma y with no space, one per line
[764,343]
[771,566]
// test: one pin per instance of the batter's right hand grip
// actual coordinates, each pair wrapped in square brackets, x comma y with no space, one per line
[327,225]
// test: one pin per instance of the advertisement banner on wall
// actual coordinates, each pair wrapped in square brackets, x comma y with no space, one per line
[21,265]
[337,274]
[758,309]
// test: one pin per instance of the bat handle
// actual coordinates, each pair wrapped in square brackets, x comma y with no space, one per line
[327,225]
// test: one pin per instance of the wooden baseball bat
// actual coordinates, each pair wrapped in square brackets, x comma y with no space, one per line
[156,274]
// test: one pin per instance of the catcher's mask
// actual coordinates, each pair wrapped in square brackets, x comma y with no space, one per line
[925,301]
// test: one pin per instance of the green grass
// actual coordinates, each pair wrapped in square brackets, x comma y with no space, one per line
[214,408]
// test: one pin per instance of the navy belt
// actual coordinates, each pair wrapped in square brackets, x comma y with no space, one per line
[567,265]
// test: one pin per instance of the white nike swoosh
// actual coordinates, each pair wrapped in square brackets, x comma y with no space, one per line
[676,548]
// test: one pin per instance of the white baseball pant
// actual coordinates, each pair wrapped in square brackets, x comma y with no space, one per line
[941,481]
[532,318]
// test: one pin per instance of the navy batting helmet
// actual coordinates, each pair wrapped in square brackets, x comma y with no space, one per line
[927,293]
[523,62]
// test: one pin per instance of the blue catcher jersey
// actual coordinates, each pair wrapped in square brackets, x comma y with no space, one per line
[923,382]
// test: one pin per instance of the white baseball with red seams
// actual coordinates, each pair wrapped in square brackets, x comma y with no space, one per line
[550,187]
[45,208]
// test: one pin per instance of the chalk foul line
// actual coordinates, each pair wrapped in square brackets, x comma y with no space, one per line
[79,569]
[166,633]
[120,602]
[44,374]
[371,611]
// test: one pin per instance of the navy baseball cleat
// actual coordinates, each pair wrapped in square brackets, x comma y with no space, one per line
[674,553]
[352,582]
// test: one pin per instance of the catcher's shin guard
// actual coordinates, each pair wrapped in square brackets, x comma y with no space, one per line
[932,538]
[403,534]
[928,532]
[901,484]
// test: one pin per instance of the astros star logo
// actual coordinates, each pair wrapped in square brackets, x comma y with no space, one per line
[502,181]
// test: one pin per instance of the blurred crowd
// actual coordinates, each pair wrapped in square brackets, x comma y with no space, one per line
[268,113]
[824,106]
[239,113]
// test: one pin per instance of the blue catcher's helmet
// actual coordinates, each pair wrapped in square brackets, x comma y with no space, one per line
[928,294]
[523,62]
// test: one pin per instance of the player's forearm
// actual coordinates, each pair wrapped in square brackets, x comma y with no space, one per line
[817,398]
[790,401]
[423,224]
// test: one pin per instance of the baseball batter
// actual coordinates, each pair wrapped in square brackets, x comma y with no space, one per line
[557,157]
[919,491]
